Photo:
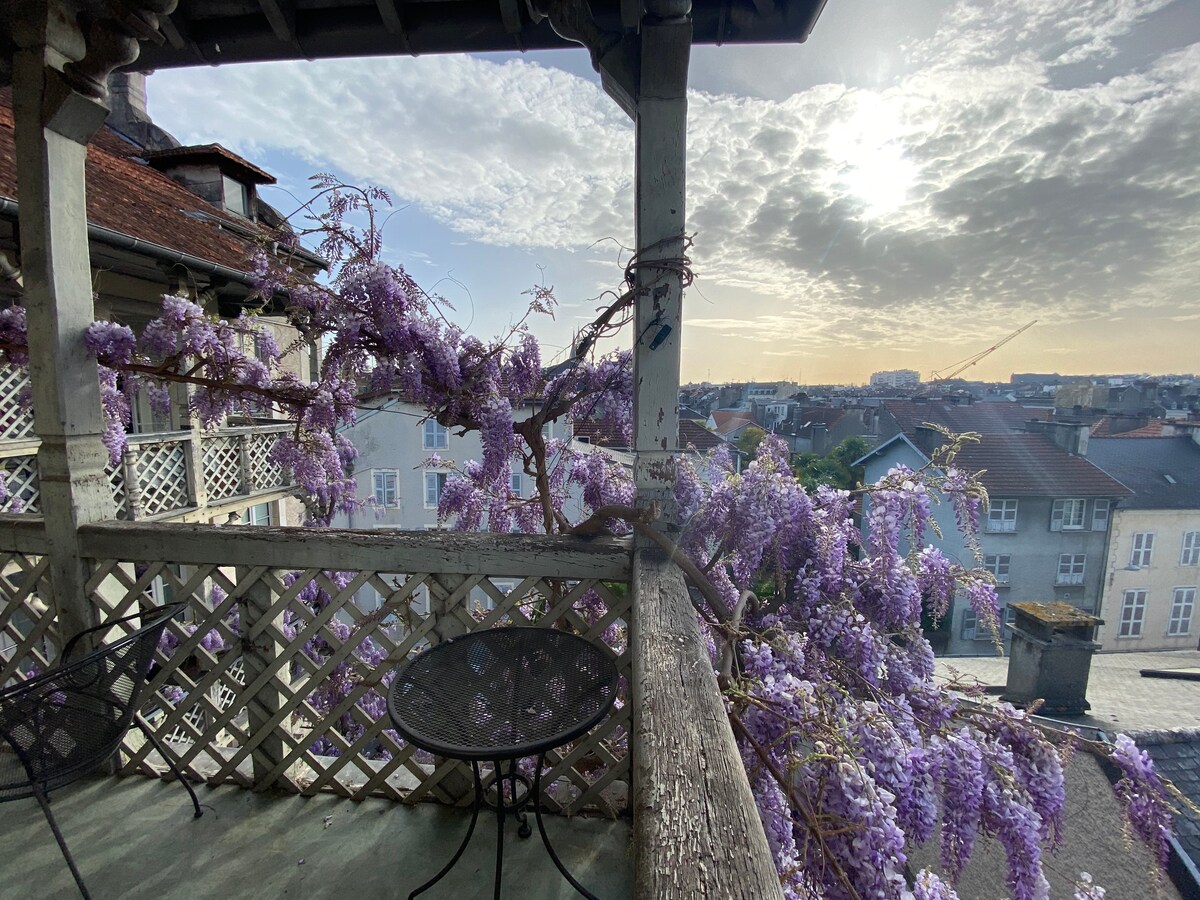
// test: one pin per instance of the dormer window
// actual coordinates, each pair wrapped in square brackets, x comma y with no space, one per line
[237,196]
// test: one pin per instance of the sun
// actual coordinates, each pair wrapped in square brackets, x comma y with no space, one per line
[869,160]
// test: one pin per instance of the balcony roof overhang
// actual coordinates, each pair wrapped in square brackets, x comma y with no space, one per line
[214,32]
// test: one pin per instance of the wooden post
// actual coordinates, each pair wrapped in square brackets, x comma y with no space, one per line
[261,650]
[133,482]
[197,478]
[697,833]
[53,123]
[661,145]
[248,486]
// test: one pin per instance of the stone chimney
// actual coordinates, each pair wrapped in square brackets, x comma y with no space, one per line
[1071,436]
[1051,657]
[128,116]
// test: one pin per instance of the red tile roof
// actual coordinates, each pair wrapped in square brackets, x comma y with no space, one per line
[727,420]
[224,158]
[1032,465]
[1001,417]
[1104,428]
[128,196]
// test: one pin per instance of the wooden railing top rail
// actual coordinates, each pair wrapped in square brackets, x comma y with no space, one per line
[23,533]
[697,833]
[553,556]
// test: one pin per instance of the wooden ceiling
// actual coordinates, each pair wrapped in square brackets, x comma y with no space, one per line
[212,32]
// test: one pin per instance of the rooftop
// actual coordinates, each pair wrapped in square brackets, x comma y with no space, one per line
[1001,417]
[1162,472]
[1032,465]
[127,196]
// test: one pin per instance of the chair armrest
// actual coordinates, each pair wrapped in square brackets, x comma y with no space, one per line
[175,609]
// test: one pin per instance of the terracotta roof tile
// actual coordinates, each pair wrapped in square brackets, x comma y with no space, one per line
[1001,417]
[128,196]
[1032,465]
[223,157]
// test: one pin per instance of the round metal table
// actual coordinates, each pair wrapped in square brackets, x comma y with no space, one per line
[500,695]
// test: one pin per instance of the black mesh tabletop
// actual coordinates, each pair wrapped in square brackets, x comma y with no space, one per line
[503,693]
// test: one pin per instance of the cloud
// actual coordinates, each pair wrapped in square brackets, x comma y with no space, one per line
[973,191]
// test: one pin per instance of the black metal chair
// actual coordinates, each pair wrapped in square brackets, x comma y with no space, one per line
[63,724]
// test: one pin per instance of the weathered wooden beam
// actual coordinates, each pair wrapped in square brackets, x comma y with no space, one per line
[23,534]
[282,21]
[390,16]
[53,122]
[661,147]
[695,826]
[549,556]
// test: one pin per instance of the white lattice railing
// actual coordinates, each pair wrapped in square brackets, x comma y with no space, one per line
[16,415]
[159,474]
[278,675]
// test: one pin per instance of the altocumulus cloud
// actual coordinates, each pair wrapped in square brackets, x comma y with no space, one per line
[977,184]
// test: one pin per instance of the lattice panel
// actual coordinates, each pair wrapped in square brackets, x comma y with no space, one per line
[222,467]
[28,636]
[16,413]
[162,477]
[22,484]
[288,673]
[264,472]
[116,480]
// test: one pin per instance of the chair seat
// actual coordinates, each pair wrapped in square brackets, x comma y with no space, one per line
[60,742]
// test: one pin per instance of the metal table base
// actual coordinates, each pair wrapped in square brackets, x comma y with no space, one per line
[504,806]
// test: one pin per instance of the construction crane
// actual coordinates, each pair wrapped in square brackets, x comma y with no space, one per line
[962,365]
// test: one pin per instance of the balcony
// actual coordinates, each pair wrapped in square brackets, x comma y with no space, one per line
[182,476]
[245,710]
[274,845]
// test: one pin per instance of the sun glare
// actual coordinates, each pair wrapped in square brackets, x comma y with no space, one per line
[869,157]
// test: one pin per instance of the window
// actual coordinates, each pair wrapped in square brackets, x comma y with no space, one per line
[1008,616]
[260,514]
[435,483]
[385,488]
[1070,568]
[1100,515]
[1183,601]
[1066,515]
[516,482]
[1190,555]
[547,431]
[435,436]
[972,629]
[1133,612]
[1002,515]
[237,198]
[998,565]
[1143,548]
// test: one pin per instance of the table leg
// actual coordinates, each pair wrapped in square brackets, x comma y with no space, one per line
[498,768]
[466,840]
[537,812]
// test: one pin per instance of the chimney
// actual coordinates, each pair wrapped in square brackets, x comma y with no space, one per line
[127,96]
[1051,657]
[1071,436]
[128,115]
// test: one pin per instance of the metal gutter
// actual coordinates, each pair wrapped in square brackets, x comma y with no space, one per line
[122,241]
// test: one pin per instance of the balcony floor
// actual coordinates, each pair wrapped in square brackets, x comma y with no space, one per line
[135,837]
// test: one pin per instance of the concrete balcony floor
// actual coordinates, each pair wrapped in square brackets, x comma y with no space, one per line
[135,837]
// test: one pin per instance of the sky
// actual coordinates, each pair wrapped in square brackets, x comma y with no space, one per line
[907,188]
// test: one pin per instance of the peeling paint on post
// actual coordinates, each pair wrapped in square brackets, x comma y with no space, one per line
[661,138]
